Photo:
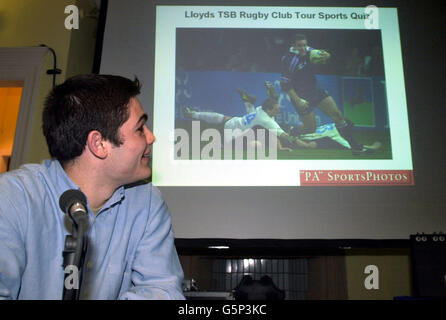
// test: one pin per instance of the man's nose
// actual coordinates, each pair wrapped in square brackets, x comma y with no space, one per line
[150,136]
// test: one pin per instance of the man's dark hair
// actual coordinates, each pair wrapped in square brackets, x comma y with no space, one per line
[84,103]
[269,103]
[298,37]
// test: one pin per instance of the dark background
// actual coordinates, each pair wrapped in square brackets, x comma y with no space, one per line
[261,50]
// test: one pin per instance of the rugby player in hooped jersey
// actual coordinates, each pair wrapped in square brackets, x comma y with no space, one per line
[299,81]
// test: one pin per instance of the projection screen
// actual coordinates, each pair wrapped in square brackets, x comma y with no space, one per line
[193,60]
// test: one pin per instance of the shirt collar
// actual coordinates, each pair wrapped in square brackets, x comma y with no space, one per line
[63,183]
[58,176]
[117,197]
[295,51]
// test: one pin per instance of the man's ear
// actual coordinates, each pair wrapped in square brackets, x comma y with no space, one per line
[97,144]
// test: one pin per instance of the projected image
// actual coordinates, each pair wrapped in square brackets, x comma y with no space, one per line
[279,96]
[286,94]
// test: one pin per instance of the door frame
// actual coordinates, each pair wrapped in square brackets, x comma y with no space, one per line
[23,64]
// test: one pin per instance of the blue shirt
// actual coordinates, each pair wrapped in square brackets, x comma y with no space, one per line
[131,252]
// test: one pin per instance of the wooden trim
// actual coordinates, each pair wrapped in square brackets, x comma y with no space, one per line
[12,83]
[327,278]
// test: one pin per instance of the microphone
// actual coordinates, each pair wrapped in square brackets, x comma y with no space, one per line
[74,204]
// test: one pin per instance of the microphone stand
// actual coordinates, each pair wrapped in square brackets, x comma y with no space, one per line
[74,255]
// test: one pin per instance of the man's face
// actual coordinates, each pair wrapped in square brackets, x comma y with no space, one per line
[301,45]
[129,162]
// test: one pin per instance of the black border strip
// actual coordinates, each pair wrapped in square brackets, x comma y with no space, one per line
[100,37]
[282,247]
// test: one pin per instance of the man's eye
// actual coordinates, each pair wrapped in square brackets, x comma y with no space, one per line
[141,128]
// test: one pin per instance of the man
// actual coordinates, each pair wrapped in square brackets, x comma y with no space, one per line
[95,130]
[299,81]
[260,117]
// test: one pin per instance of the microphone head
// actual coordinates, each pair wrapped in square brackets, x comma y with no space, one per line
[70,197]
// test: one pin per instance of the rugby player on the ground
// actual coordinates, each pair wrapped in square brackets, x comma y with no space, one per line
[262,116]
